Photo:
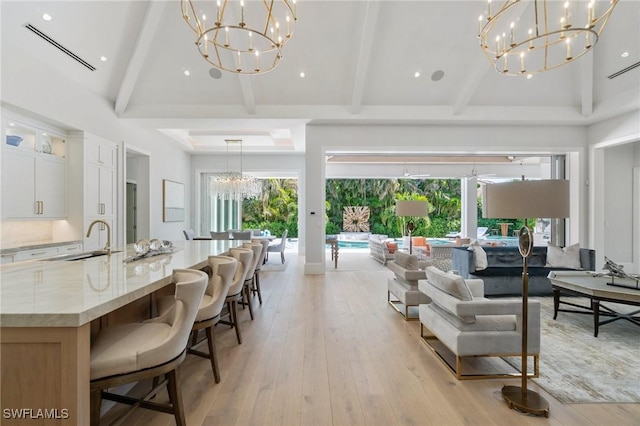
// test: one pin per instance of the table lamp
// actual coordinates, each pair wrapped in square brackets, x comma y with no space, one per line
[521,200]
[411,208]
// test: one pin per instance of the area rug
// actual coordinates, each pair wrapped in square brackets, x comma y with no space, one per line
[576,367]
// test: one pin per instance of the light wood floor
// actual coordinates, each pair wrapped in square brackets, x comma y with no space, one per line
[329,350]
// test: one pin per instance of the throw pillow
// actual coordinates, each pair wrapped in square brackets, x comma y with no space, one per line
[479,254]
[392,247]
[406,260]
[568,257]
[449,283]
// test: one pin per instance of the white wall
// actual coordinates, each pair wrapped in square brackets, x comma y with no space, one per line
[613,152]
[45,93]
[427,139]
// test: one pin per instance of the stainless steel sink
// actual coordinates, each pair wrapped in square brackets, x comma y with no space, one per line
[82,256]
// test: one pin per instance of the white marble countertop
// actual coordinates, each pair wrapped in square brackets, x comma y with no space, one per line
[61,293]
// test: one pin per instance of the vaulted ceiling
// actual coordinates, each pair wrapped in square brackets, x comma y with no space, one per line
[360,60]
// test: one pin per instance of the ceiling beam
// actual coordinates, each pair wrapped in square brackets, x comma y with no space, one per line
[247,94]
[364,54]
[143,43]
[586,83]
[478,72]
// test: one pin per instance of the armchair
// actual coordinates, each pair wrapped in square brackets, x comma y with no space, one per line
[469,325]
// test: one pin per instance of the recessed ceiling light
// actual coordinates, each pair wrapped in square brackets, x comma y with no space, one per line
[103,58]
[187,73]
[302,74]
[625,54]
[529,76]
[12,124]
[416,74]
[46,16]
[437,75]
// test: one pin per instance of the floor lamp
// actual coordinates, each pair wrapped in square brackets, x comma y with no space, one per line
[521,200]
[411,208]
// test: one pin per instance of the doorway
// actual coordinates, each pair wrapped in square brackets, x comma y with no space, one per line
[131,213]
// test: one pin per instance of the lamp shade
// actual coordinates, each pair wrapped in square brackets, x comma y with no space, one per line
[526,199]
[413,208]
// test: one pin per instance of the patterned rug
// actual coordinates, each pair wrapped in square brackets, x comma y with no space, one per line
[576,367]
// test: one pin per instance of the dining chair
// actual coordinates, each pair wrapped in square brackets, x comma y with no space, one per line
[219,235]
[279,246]
[129,353]
[241,235]
[190,235]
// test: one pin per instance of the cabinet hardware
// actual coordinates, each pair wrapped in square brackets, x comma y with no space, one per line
[38,253]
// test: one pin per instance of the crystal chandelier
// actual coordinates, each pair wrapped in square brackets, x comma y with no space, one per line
[238,37]
[524,37]
[235,185]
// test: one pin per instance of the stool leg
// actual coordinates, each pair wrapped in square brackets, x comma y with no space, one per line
[175,396]
[212,352]
[95,405]
[258,287]
[247,292]
[234,316]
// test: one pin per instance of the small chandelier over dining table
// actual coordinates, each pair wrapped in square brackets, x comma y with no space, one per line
[524,37]
[239,37]
[235,185]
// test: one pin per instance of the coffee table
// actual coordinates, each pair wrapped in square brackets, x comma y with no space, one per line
[583,283]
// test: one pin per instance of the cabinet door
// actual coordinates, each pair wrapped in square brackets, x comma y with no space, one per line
[99,152]
[18,185]
[107,178]
[50,187]
[100,191]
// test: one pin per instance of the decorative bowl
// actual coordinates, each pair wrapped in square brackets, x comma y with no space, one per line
[13,140]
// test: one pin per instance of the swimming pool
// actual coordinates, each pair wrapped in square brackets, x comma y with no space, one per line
[364,244]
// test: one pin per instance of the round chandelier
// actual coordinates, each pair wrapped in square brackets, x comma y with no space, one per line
[524,37]
[235,185]
[239,37]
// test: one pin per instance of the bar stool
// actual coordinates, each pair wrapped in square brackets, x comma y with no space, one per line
[132,352]
[248,280]
[234,295]
[222,270]
[256,285]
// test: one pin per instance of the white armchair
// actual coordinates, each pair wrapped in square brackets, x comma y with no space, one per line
[469,325]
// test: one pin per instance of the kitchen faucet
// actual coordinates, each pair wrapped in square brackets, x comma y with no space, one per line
[107,246]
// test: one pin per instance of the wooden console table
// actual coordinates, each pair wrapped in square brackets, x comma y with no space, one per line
[334,250]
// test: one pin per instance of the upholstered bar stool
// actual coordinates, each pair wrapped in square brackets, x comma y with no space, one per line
[222,270]
[132,352]
[244,258]
[256,282]
[256,248]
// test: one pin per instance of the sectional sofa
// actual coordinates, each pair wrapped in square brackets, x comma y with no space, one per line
[503,275]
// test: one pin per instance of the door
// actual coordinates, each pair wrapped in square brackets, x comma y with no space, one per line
[132,208]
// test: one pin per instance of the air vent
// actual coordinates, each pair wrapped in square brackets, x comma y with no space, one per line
[59,46]
[622,71]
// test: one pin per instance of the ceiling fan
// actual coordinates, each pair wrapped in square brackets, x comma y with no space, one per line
[408,175]
[479,177]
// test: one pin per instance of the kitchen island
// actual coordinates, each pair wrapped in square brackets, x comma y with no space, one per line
[48,309]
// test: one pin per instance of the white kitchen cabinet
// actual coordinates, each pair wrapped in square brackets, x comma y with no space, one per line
[100,189]
[33,185]
[41,253]
[34,171]
[100,196]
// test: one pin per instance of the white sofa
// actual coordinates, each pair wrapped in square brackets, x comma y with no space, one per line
[469,325]
[379,251]
[402,289]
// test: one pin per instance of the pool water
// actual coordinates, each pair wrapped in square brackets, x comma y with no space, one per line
[364,244]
